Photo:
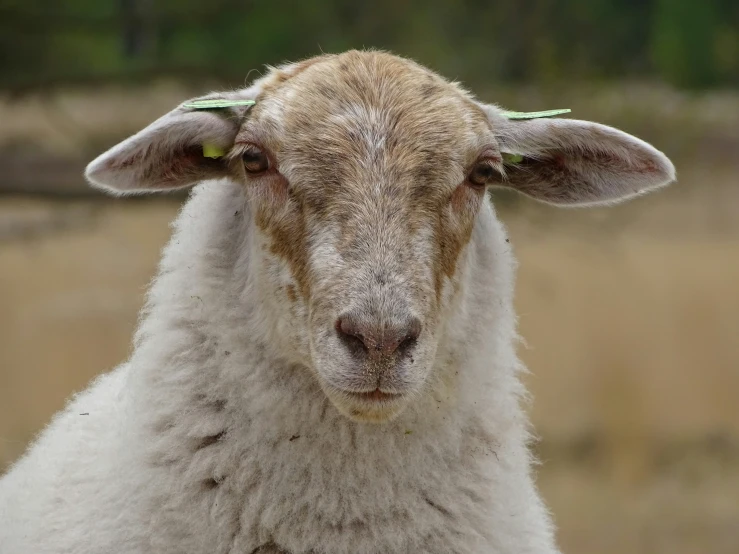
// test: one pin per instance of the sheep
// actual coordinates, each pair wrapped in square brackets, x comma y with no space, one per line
[326,362]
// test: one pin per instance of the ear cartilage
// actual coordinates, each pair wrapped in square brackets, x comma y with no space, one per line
[534,115]
[212,151]
[217,104]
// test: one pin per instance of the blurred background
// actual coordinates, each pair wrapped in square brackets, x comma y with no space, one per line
[630,313]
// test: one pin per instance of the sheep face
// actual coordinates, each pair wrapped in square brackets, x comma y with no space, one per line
[365,176]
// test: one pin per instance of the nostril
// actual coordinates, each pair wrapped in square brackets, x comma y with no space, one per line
[411,337]
[350,334]
[407,344]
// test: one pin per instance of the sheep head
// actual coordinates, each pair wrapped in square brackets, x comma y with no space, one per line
[365,175]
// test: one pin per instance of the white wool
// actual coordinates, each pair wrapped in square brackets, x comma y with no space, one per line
[207,440]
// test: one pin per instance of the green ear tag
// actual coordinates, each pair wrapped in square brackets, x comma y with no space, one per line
[217,104]
[212,151]
[511,158]
[534,115]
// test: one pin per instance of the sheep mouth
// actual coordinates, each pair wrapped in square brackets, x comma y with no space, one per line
[374,396]
[374,406]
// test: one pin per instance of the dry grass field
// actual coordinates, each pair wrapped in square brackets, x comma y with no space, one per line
[630,316]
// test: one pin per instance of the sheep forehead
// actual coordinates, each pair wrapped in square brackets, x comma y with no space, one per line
[368,119]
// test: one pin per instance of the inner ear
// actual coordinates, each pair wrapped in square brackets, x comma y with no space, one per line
[178,150]
[571,162]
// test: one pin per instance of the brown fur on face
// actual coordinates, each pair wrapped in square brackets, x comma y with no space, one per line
[367,201]
[368,142]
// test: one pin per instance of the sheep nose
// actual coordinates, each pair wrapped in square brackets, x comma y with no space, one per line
[375,339]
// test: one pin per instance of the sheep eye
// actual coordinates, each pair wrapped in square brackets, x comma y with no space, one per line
[482,174]
[255,160]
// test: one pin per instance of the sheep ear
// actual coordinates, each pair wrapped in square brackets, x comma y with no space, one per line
[178,150]
[571,162]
